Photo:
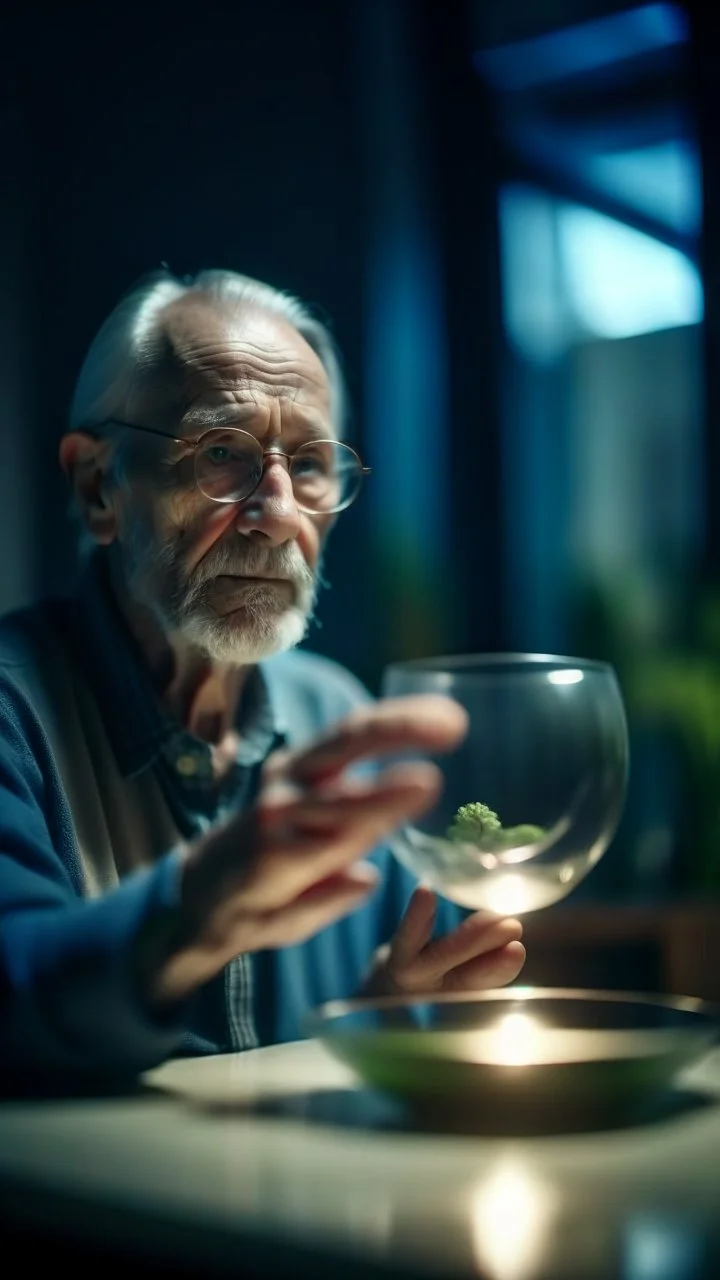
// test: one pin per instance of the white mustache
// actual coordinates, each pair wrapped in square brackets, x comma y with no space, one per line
[285,562]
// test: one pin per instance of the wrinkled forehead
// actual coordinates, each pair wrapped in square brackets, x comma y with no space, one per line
[212,355]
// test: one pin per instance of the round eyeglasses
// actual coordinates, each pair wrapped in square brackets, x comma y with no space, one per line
[325,474]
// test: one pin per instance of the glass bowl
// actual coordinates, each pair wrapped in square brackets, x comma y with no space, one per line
[521,1054]
[532,797]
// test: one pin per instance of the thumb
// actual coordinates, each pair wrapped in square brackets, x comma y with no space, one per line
[415,929]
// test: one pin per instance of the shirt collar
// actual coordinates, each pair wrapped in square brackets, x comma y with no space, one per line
[137,724]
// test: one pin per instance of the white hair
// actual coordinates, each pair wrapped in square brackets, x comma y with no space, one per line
[124,354]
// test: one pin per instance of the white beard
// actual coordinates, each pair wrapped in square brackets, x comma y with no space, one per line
[259,633]
[265,623]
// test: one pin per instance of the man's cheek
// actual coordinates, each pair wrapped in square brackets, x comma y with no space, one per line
[312,540]
[200,535]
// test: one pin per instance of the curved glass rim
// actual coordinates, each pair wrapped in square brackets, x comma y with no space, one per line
[480,664]
[326,1014]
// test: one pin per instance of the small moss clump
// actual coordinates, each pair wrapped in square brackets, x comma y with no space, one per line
[478,824]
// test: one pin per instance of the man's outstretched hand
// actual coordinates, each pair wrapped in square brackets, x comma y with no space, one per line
[292,863]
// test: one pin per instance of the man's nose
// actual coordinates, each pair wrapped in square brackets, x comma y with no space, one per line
[270,513]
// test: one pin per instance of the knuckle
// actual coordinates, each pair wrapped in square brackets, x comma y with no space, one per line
[277,764]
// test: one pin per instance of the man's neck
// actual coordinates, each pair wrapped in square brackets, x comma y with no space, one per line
[202,695]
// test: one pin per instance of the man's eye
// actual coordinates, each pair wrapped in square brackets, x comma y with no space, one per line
[309,467]
[217,454]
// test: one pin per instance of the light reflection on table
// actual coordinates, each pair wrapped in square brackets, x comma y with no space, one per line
[511,1215]
[278,1148]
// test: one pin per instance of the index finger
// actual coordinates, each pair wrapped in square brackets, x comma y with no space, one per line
[424,722]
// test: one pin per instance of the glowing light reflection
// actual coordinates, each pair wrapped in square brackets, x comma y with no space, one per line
[510,894]
[516,1040]
[512,1212]
[566,676]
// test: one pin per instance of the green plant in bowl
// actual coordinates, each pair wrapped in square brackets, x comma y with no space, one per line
[478,824]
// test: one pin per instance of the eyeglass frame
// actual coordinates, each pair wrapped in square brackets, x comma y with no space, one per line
[193,445]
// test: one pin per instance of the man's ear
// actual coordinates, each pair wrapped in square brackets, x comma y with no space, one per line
[84,459]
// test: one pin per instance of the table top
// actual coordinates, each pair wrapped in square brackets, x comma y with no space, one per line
[277,1153]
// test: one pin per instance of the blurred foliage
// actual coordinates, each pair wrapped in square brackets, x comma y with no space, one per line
[664,642]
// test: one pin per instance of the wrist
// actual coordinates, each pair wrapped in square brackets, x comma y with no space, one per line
[170,961]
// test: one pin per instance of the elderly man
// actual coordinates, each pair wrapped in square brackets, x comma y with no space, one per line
[191,816]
